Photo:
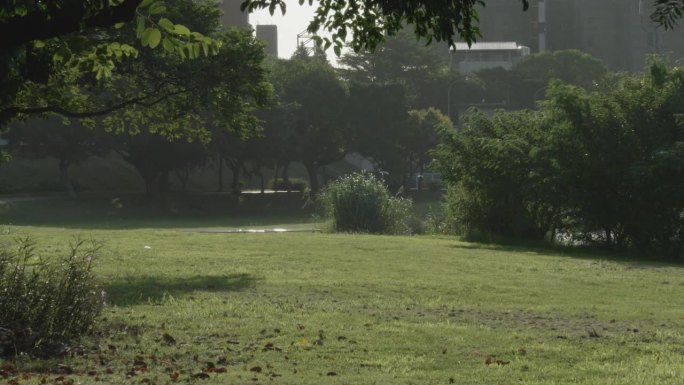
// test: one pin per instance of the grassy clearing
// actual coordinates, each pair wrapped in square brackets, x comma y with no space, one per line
[355,309]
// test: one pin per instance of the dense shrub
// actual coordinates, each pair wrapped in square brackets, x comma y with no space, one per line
[292,184]
[362,203]
[44,303]
[604,165]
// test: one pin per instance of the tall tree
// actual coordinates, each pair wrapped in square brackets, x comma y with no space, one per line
[378,114]
[316,96]
[70,144]
[155,157]
[422,136]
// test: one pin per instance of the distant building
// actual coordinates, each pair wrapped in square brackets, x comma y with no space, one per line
[269,34]
[232,16]
[486,55]
[618,32]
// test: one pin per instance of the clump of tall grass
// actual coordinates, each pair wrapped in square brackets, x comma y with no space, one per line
[44,302]
[360,202]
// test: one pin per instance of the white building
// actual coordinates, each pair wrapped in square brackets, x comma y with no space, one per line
[486,55]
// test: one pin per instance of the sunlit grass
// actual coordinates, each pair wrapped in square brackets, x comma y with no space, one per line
[310,308]
[355,309]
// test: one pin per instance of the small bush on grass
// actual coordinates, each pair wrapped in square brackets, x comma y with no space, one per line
[362,203]
[44,304]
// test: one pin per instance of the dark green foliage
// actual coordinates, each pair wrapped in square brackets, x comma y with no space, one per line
[292,184]
[315,125]
[366,22]
[362,203]
[602,165]
[46,302]
[524,85]
[491,174]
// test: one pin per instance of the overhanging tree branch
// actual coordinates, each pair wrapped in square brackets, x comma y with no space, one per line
[146,101]
[72,17]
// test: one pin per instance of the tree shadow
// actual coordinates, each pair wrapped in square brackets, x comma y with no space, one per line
[577,252]
[136,290]
[136,211]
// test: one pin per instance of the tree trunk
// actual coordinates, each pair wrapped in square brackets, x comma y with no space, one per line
[151,185]
[220,173]
[163,182]
[312,170]
[183,176]
[286,178]
[236,179]
[64,177]
[275,176]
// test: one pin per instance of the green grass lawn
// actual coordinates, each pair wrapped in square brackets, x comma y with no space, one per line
[318,308]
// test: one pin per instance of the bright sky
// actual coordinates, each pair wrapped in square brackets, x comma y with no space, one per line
[289,25]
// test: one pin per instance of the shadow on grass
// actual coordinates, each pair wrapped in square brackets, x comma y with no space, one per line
[579,252]
[135,211]
[152,289]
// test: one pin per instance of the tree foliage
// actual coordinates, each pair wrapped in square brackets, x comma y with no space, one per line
[603,164]
[315,97]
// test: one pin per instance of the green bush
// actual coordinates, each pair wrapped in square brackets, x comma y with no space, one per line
[44,303]
[293,184]
[362,203]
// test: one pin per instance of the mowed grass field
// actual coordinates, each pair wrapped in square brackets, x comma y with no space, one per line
[317,308]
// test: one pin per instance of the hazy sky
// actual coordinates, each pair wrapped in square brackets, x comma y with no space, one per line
[289,25]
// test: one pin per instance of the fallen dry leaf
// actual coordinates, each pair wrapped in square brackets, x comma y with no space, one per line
[491,360]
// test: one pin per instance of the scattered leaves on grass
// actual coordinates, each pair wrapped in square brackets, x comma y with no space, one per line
[201,376]
[168,339]
[139,365]
[174,376]
[62,369]
[593,333]
[255,369]
[7,370]
[61,380]
[271,347]
[212,368]
[493,361]
[522,351]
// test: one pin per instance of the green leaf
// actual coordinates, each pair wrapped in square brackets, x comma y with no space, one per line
[166,24]
[338,50]
[168,45]
[196,50]
[145,38]
[39,44]
[155,37]
[20,10]
[157,7]
[145,3]
[181,30]
[119,25]
[140,27]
